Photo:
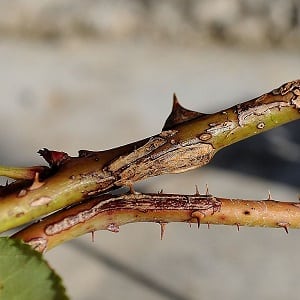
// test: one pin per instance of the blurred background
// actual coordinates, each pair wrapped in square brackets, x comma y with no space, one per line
[98,74]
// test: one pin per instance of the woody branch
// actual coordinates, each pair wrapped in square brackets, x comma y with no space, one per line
[188,140]
[109,212]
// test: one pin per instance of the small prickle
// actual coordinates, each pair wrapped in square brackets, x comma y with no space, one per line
[206,191]
[198,215]
[162,230]
[284,225]
[269,195]
[93,236]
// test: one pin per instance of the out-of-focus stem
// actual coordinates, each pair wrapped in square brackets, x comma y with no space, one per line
[26,173]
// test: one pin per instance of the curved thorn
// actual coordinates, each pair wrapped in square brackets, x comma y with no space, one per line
[284,225]
[53,158]
[198,215]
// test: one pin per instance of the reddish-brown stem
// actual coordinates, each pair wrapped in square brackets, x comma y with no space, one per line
[189,140]
[108,212]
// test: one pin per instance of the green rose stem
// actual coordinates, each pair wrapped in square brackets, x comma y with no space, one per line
[188,140]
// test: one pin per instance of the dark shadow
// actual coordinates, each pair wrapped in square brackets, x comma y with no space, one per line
[273,155]
[127,270]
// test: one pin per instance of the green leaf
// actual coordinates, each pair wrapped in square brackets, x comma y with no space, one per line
[24,274]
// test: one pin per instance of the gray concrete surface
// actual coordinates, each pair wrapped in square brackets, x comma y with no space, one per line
[96,95]
[255,23]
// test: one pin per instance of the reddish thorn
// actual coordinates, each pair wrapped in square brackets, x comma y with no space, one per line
[175,100]
[284,225]
[197,190]
[162,230]
[238,226]
[53,158]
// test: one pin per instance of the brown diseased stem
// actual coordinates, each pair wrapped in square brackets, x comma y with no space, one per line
[189,140]
[108,212]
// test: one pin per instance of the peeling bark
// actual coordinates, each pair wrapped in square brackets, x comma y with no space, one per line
[109,212]
[188,140]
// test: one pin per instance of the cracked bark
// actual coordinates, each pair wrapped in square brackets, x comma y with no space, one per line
[188,140]
[109,212]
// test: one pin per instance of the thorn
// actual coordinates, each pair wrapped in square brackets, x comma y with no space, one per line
[179,114]
[284,225]
[206,192]
[238,226]
[197,190]
[162,230]
[161,191]
[93,236]
[198,215]
[175,100]
[269,195]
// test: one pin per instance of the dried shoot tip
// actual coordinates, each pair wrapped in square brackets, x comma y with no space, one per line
[53,158]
